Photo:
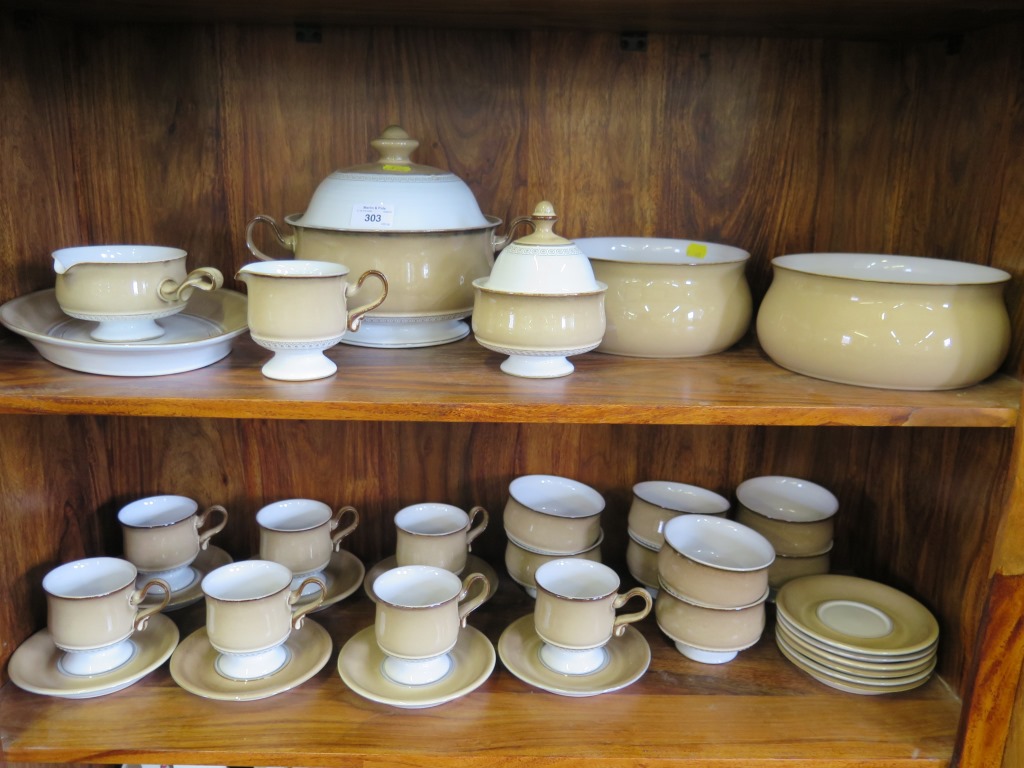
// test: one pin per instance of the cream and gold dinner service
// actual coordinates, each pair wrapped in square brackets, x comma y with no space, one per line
[856,635]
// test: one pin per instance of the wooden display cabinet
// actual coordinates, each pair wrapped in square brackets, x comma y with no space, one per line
[778,127]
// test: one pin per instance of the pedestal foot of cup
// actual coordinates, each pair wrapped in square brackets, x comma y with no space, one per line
[537,367]
[177,579]
[97,662]
[134,329]
[299,365]
[251,666]
[416,671]
[704,656]
[572,662]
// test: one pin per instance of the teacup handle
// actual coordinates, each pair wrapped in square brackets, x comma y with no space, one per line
[474,513]
[209,533]
[137,596]
[296,596]
[341,533]
[203,278]
[287,243]
[355,316]
[629,618]
[466,607]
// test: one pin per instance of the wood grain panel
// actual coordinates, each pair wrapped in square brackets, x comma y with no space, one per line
[144,111]
[38,199]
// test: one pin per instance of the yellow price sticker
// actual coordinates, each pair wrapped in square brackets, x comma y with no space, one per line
[400,168]
[697,250]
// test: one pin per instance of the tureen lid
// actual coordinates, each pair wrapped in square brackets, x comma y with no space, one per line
[543,262]
[393,194]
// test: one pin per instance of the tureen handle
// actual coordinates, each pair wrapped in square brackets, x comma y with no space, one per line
[497,243]
[285,242]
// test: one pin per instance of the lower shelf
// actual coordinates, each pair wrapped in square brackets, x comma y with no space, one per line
[755,712]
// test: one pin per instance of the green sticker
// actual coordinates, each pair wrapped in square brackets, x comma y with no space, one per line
[401,168]
[697,250]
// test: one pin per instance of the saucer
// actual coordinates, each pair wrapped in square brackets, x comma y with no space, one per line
[853,614]
[474,564]
[33,667]
[628,658]
[343,575]
[361,660]
[192,666]
[199,335]
[207,560]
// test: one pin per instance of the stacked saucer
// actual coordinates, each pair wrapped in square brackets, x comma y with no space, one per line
[856,635]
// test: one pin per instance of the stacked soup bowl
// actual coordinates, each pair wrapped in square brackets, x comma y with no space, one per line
[797,517]
[713,575]
[550,518]
[655,502]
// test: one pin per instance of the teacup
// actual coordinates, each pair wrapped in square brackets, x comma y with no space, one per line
[302,534]
[642,563]
[298,308]
[127,288]
[714,561]
[250,612]
[435,534]
[93,609]
[655,502]
[163,535]
[553,515]
[796,516]
[420,610]
[522,564]
[575,613]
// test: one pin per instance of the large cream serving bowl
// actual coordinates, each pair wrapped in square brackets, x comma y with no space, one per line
[894,322]
[670,298]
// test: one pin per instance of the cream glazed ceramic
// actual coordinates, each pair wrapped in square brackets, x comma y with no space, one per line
[200,335]
[125,289]
[299,309]
[541,303]
[361,661]
[795,515]
[628,658]
[553,515]
[655,502]
[887,321]
[194,666]
[419,225]
[522,563]
[670,298]
[474,564]
[35,664]
[708,634]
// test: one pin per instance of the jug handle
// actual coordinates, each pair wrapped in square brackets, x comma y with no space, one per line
[355,317]
[497,243]
[288,243]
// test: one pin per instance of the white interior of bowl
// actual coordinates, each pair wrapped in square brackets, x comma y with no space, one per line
[294,268]
[65,258]
[787,498]
[558,496]
[680,497]
[655,250]
[718,542]
[881,268]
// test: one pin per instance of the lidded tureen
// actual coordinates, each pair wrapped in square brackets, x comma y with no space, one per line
[541,302]
[421,226]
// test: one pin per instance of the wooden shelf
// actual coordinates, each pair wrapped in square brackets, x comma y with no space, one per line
[753,712]
[834,18]
[461,382]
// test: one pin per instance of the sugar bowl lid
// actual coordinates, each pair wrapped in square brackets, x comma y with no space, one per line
[543,263]
[393,194]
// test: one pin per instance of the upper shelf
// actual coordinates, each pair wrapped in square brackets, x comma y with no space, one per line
[461,382]
[830,18]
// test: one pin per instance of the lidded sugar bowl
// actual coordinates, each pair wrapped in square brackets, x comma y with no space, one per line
[421,226]
[541,303]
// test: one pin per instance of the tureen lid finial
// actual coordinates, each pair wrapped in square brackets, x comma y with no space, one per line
[543,218]
[394,146]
